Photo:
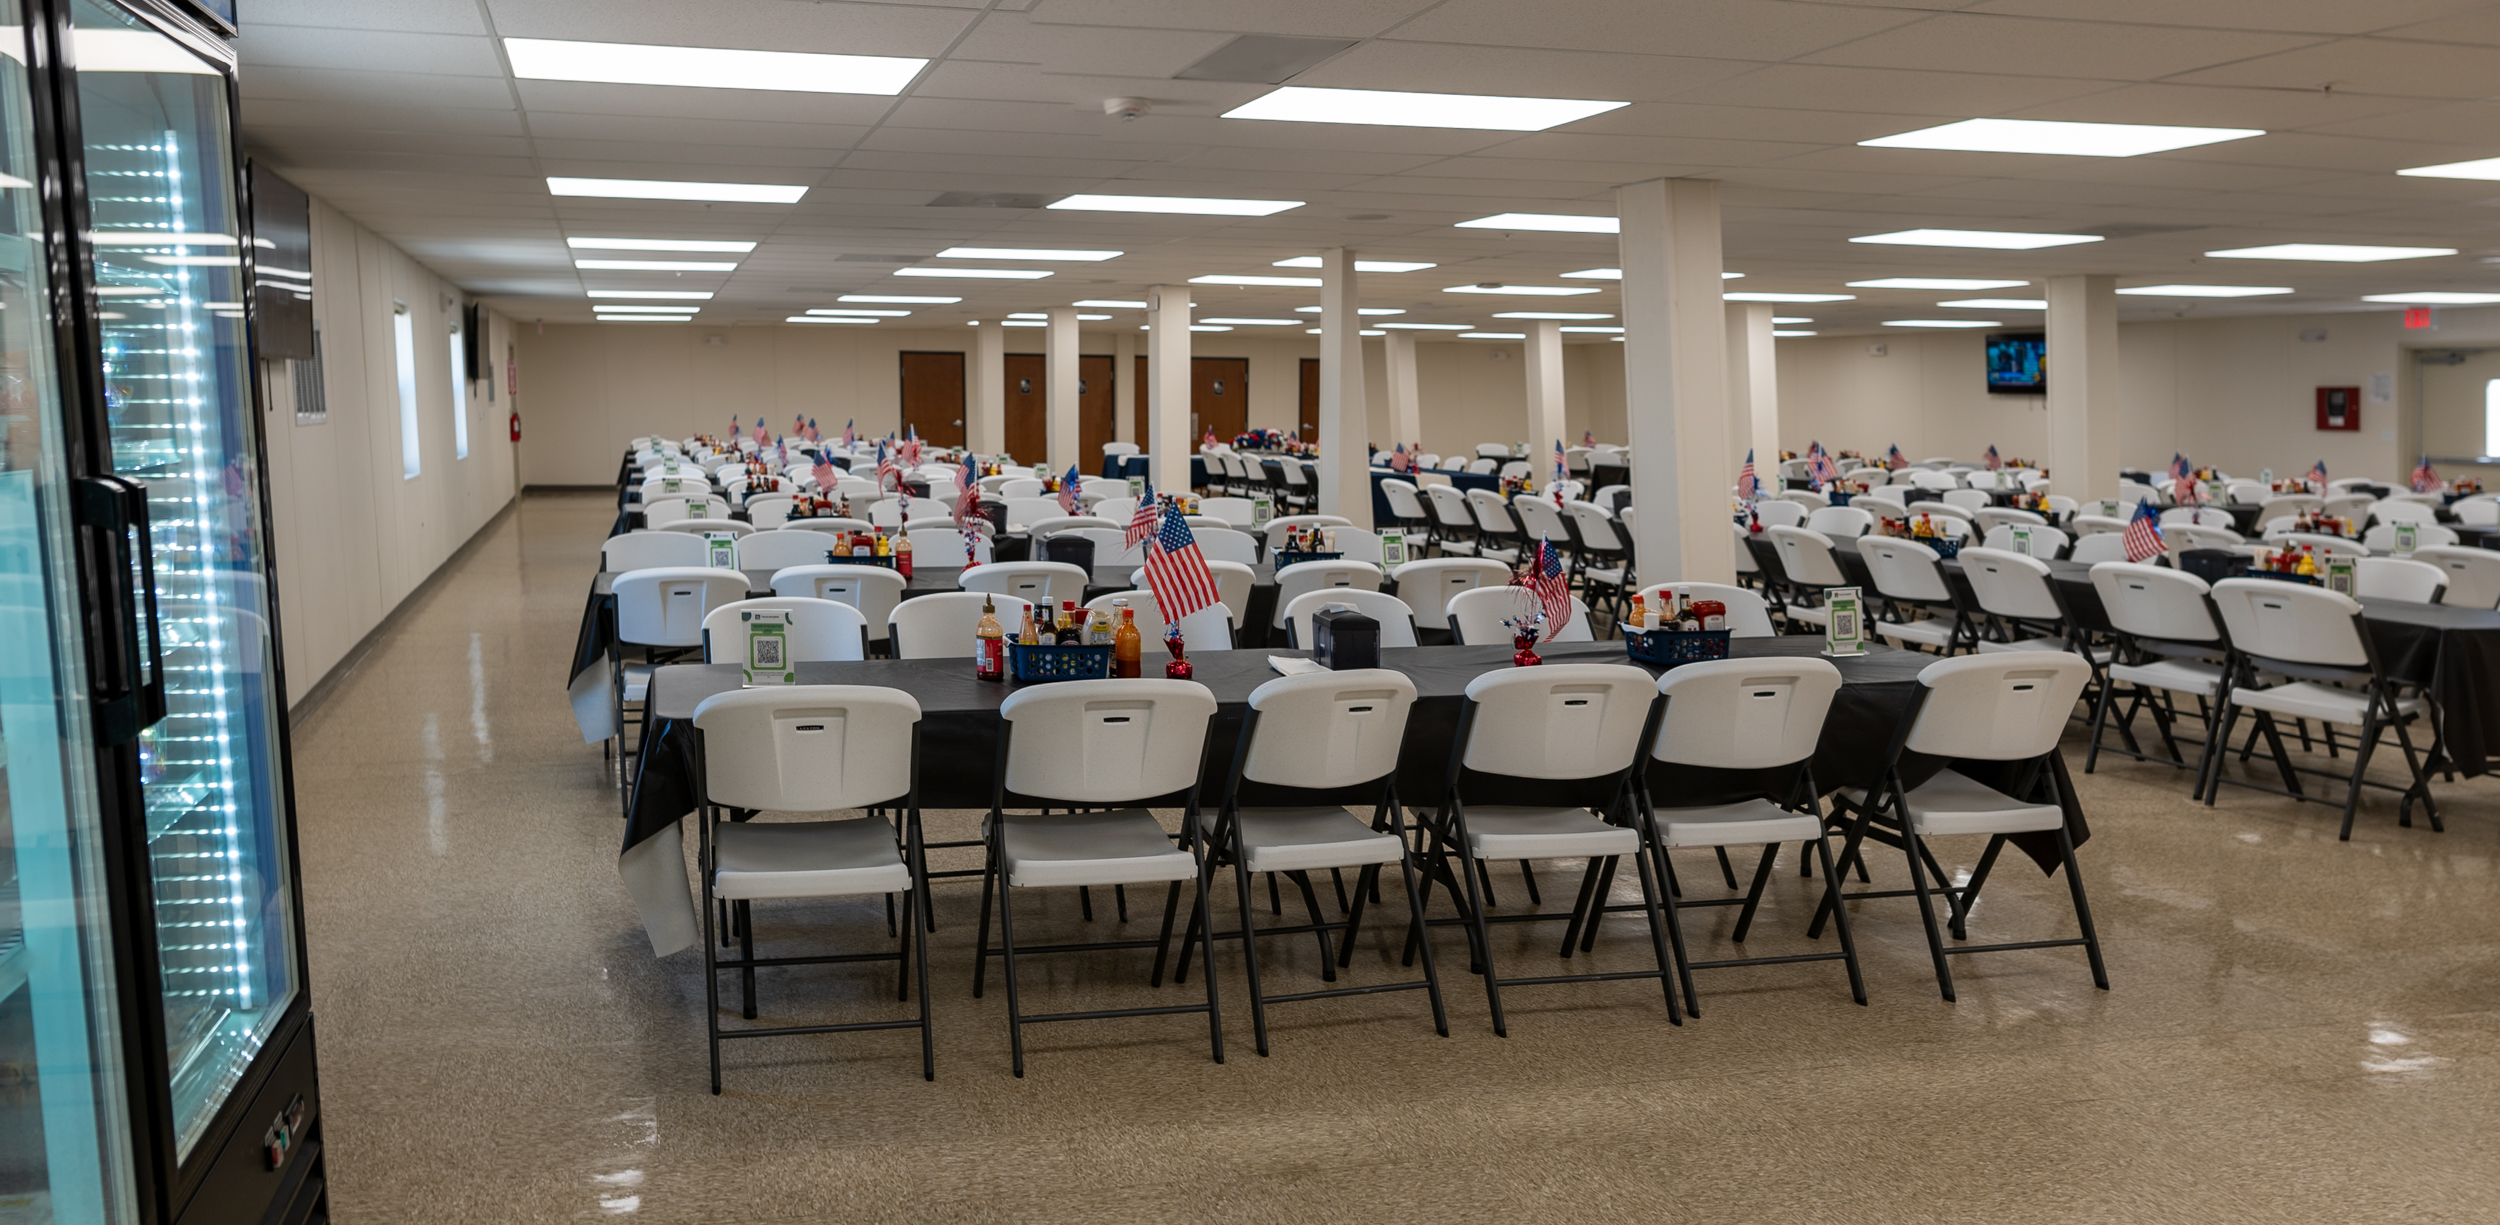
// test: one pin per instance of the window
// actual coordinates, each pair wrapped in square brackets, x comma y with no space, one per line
[459,398]
[2491,417]
[404,340]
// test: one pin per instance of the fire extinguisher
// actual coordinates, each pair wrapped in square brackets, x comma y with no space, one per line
[516,425]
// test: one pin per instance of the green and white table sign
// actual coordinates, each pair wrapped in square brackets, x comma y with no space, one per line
[768,649]
[1844,626]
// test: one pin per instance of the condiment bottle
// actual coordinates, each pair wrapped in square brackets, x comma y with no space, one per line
[1640,615]
[1028,634]
[989,645]
[902,555]
[1071,628]
[1127,645]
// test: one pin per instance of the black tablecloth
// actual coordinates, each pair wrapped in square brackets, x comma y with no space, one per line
[959,726]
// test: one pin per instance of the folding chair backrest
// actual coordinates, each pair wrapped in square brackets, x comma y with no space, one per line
[1748,616]
[941,625]
[2473,575]
[1559,721]
[1301,577]
[1807,556]
[780,549]
[665,606]
[1903,569]
[1029,580]
[2398,578]
[1277,527]
[1840,522]
[1426,586]
[2001,706]
[2292,622]
[1328,729]
[873,590]
[2099,548]
[1106,741]
[820,630]
[2011,584]
[644,550]
[1449,507]
[2155,602]
[1597,529]
[1780,512]
[2045,541]
[1745,714]
[807,748]
[1397,621]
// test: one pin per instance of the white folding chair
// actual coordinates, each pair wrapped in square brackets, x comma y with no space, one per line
[645,550]
[1977,709]
[819,749]
[873,590]
[944,546]
[1748,615]
[1236,511]
[2473,575]
[1905,574]
[2097,548]
[659,615]
[779,549]
[2169,643]
[1780,512]
[1806,559]
[699,527]
[2381,537]
[2480,510]
[1840,522]
[1453,522]
[2324,546]
[2046,542]
[1276,528]
[1100,750]
[1208,629]
[820,631]
[2399,578]
[941,625]
[1053,582]
[1477,616]
[1308,576]
[1426,586]
[769,510]
[1397,621]
[1228,544]
[2021,608]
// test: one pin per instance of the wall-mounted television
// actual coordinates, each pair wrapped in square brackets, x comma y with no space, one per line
[2018,363]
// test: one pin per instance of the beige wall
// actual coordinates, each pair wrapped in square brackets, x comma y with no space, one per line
[352,536]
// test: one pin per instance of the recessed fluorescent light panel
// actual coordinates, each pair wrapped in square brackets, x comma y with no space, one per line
[1790,297]
[1398,109]
[1790,319]
[2331,253]
[1932,282]
[1360,265]
[898,299]
[1558,223]
[624,308]
[1492,335]
[1616,274]
[681,295]
[1548,315]
[1989,240]
[547,59]
[1999,304]
[1364,310]
[1942,323]
[660,244]
[196,261]
[1109,303]
[655,265]
[857,310]
[2435,299]
[1092,318]
[1431,327]
[1201,205]
[2484,168]
[642,318]
[1791,334]
[1260,323]
[2205,291]
[827,319]
[1298,282]
[1530,291]
[2069,139]
[979,274]
[1023,323]
[1206,327]
[158,238]
[667,189]
[1612,331]
[1032,253]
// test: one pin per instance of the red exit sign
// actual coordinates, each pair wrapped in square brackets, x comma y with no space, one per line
[2418,317]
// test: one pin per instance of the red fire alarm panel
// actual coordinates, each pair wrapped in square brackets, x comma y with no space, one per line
[2339,408]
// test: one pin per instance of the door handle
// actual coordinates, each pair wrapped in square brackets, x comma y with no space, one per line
[125,632]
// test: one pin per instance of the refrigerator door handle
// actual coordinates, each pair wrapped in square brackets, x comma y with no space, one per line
[130,684]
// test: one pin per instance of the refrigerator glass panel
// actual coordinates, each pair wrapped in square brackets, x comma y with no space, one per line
[63,1127]
[167,235]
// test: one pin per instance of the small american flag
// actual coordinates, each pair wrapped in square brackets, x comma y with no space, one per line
[1175,571]
[2143,534]
[1544,578]
[2183,489]
[1748,485]
[812,433]
[2425,477]
[1143,522]
[827,476]
[886,467]
[1210,439]
[1400,461]
[2317,475]
[1992,461]
[1588,438]
[1562,466]
[1067,491]
[967,496]
[1895,460]
[760,435]
[1821,465]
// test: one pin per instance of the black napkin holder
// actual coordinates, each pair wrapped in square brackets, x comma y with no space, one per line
[1343,638]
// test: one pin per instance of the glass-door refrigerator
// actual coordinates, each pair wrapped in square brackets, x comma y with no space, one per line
[156,1050]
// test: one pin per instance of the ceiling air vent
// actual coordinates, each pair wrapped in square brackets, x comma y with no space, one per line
[1263,58]
[989,199]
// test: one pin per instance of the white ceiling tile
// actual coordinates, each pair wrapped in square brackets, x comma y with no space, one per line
[319,144]
[367,51]
[2480,25]
[1716,29]
[261,114]
[1305,18]
[418,16]
[1301,161]
[833,26]
[568,125]
[1663,150]
[1954,42]
[2273,110]
[2383,66]
[783,163]
[2320,152]
[2302,16]
[1959,95]
[1795,176]
[367,89]
[956,165]
[1017,38]
[2454,122]
[1460,68]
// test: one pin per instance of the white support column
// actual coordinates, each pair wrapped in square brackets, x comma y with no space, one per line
[1060,374]
[1124,388]
[1405,405]
[1675,379]
[1753,389]
[1167,404]
[1344,481]
[985,418]
[2083,386]
[1545,395]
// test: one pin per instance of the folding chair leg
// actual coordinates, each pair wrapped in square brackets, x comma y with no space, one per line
[746,950]
[1753,897]
[1310,903]
[1727,871]
[1651,902]
[2419,768]
[981,961]
[1597,906]
[2083,909]
[1171,907]
[1927,911]
[1527,872]
[1468,870]
[1840,919]
[1007,952]
[1580,909]
[1420,934]
[1354,915]
[1249,955]
[1970,892]
[2360,763]
[711,991]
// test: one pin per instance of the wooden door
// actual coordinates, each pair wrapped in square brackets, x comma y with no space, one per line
[1144,402]
[933,397]
[1028,409]
[1219,397]
[1095,409]
[1310,399]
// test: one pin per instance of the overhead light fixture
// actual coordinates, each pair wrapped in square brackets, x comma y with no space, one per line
[1109,303]
[1932,282]
[897,299]
[127,291]
[1549,315]
[668,189]
[646,310]
[642,318]
[1033,253]
[1943,323]
[1362,310]
[1022,323]
[1492,335]
[1525,291]
[1203,327]
[2435,299]
[1299,282]
[1616,274]
[547,59]
[2059,137]
[979,274]
[1989,240]
[827,319]
[1558,223]
[159,238]
[655,265]
[1197,205]
[1611,331]
[1430,327]
[1260,323]
[1789,297]
[2205,291]
[660,244]
[1091,318]
[1787,335]
[857,310]
[1399,109]
[2331,253]
[1370,332]
[2481,168]
[1999,304]
[1360,265]
[1790,319]
[1029,315]
[687,295]
[196,261]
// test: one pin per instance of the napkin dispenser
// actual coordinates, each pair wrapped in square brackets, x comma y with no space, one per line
[1343,638]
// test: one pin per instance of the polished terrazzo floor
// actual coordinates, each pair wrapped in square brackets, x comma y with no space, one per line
[2299,1030]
